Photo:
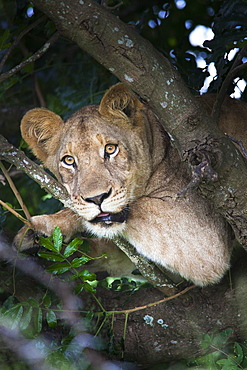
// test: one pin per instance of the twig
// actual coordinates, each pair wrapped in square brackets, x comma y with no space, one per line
[32,58]
[15,213]
[166,299]
[240,144]
[15,191]
[39,93]
[104,3]
[19,37]
[139,308]
[233,72]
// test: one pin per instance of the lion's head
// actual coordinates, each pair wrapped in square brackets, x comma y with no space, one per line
[103,155]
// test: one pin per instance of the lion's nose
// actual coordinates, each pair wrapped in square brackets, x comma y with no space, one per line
[98,199]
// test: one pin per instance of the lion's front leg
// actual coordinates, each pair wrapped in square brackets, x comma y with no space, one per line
[68,221]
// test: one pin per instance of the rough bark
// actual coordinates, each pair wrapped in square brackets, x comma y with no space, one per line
[16,157]
[150,75]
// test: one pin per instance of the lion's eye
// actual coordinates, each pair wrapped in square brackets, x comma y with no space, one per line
[68,160]
[111,150]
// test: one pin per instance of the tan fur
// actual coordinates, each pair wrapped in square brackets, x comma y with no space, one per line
[144,174]
[233,116]
[116,264]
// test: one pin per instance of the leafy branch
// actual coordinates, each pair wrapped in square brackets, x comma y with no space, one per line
[18,39]
[32,58]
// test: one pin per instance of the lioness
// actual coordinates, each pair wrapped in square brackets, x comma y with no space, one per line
[122,174]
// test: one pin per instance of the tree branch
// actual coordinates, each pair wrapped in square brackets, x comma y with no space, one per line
[14,156]
[31,59]
[18,38]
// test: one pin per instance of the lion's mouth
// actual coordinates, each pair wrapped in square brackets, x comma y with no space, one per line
[109,218]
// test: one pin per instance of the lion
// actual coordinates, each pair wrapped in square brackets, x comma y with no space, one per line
[123,176]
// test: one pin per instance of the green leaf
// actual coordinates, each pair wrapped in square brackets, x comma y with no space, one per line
[51,318]
[88,288]
[77,262]
[72,247]
[59,268]
[85,246]
[79,288]
[8,303]
[14,315]
[89,315]
[228,363]
[57,360]
[57,239]
[46,196]
[8,204]
[26,318]
[3,40]
[33,302]
[51,256]
[46,300]
[46,242]
[239,353]
[207,341]
[38,320]
[221,339]
[87,275]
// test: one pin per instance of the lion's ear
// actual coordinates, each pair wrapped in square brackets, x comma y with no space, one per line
[39,127]
[119,102]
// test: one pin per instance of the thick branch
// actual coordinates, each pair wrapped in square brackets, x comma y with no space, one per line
[14,156]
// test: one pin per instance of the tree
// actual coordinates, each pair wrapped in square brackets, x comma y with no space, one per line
[133,60]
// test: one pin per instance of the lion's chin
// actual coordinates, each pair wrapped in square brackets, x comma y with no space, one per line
[107,229]
[111,218]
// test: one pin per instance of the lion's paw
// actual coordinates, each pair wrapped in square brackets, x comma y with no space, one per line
[25,239]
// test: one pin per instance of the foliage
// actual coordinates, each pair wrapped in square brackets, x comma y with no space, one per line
[40,315]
